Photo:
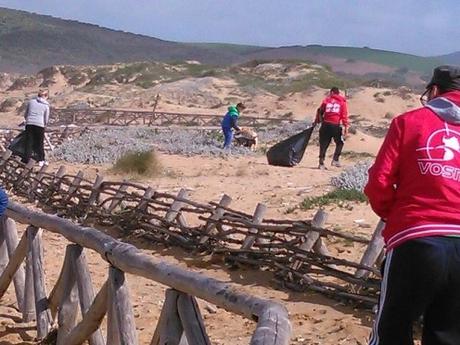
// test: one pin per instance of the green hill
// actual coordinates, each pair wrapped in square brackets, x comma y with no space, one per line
[453,58]
[30,42]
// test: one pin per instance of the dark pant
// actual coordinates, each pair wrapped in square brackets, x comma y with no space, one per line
[228,136]
[327,132]
[35,136]
[421,278]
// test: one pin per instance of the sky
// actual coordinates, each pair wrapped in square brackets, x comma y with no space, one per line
[421,27]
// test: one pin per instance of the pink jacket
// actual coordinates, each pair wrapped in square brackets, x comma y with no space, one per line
[334,110]
[414,184]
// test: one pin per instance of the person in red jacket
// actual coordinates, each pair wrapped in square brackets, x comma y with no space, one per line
[414,186]
[331,114]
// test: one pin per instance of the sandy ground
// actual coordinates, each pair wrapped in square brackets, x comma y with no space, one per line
[315,319]
[248,180]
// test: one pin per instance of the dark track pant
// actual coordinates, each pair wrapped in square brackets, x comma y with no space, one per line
[35,136]
[421,278]
[327,132]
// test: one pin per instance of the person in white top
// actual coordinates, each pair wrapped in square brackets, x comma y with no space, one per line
[36,118]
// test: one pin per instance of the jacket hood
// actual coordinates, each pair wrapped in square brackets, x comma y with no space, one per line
[42,100]
[233,110]
[445,109]
[338,97]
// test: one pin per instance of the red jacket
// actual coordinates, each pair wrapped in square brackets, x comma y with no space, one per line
[333,110]
[414,184]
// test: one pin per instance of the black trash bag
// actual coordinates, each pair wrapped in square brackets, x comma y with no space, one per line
[18,147]
[289,152]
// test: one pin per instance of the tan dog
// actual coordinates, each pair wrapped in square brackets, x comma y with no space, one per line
[247,138]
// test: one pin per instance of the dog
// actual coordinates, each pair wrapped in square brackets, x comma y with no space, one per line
[246,138]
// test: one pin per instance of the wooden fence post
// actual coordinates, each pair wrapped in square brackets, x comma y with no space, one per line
[252,232]
[55,184]
[144,202]
[216,215]
[13,265]
[36,182]
[122,311]
[68,310]
[176,206]
[85,287]
[41,301]
[373,251]
[118,197]
[74,185]
[3,250]
[28,312]
[66,274]
[95,191]
[312,236]
[91,320]
[11,238]
[191,320]
[26,172]
[169,328]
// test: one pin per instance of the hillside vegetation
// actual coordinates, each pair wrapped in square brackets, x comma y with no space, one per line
[30,42]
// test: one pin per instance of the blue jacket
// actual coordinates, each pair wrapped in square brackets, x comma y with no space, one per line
[3,201]
[230,119]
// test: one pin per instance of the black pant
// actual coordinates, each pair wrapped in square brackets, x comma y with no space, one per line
[327,132]
[421,278]
[35,136]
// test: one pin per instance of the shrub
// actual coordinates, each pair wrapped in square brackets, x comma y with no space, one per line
[353,178]
[145,163]
[387,93]
[337,196]
[355,155]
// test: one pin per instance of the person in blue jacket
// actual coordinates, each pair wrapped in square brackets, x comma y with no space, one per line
[230,121]
[3,201]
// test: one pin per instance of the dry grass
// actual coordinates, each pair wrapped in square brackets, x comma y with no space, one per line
[146,164]
[242,170]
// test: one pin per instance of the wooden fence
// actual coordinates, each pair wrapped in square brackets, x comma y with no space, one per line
[56,313]
[123,117]
[54,136]
[295,251]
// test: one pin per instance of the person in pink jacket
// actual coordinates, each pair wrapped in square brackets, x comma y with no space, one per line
[332,114]
[414,186]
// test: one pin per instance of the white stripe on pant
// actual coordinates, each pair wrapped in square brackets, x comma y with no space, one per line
[375,339]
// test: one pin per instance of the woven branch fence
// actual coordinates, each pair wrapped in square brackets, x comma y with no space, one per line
[56,314]
[54,135]
[295,251]
[123,117]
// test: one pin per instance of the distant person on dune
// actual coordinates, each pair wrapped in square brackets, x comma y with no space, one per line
[414,186]
[36,118]
[230,122]
[332,114]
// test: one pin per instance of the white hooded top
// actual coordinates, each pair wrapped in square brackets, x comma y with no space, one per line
[37,112]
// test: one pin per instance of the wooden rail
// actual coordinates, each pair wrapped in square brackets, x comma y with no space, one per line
[54,135]
[56,313]
[122,117]
[295,251]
